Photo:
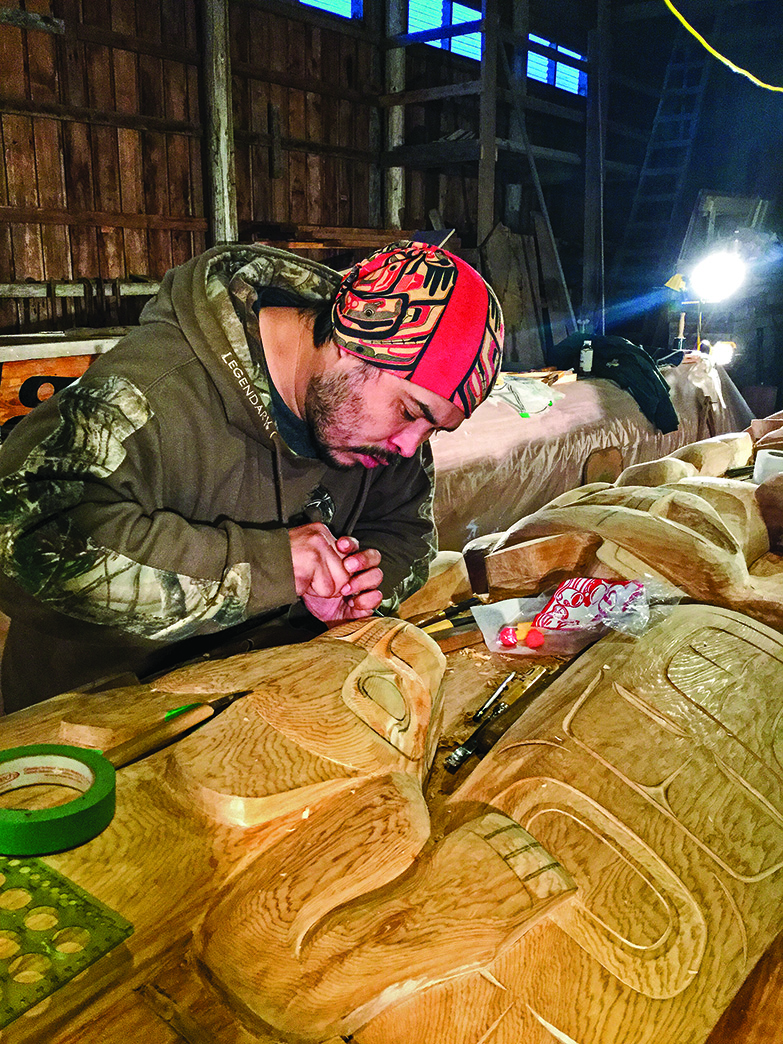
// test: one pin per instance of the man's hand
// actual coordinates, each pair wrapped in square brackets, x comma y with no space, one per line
[335,580]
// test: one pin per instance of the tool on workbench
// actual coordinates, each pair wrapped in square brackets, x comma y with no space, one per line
[175,724]
[487,704]
[459,609]
[503,715]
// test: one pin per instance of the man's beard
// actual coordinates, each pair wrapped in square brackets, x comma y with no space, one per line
[334,409]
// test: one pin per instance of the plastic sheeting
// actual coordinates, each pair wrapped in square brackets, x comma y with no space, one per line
[498,467]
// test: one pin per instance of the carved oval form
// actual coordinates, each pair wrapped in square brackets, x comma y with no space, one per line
[659,959]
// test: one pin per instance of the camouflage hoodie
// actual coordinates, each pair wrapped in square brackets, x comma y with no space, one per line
[151,498]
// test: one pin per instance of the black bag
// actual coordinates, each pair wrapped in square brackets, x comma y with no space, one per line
[627,364]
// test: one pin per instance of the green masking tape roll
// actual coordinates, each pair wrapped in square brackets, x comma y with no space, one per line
[35,832]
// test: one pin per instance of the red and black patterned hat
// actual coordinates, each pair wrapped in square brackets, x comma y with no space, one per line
[427,316]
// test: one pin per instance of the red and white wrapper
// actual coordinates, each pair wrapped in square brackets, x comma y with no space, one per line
[585,602]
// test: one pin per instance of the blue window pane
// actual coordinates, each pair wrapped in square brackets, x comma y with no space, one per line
[424,14]
[571,54]
[567,78]
[461,13]
[469,46]
[538,67]
[539,40]
[338,7]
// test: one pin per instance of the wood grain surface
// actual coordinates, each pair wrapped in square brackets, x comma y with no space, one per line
[649,770]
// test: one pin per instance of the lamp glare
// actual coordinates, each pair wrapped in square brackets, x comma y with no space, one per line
[718,276]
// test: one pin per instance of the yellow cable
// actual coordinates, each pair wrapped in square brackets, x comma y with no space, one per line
[720,57]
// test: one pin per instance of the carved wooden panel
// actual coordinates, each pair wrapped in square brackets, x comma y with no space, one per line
[652,770]
[289,836]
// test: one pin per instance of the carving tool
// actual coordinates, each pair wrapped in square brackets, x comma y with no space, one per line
[503,715]
[175,723]
[460,609]
[495,696]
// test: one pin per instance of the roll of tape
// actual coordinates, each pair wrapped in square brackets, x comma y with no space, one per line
[34,832]
[768,463]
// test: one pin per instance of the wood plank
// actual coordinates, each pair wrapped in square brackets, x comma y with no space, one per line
[175,90]
[243,176]
[258,103]
[27,252]
[97,13]
[12,61]
[151,93]
[95,218]
[123,17]
[42,60]
[198,233]
[19,144]
[239,35]
[73,68]
[154,159]
[190,19]
[9,310]
[133,42]
[314,129]
[174,24]
[84,114]
[148,20]
[194,100]
[51,195]
[126,81]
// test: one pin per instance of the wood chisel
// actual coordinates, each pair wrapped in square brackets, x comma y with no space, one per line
[502,716]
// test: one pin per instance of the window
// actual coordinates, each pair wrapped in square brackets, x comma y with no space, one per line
[546,70]
[344,8]
[431,14]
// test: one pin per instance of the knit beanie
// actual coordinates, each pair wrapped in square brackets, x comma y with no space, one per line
[426,316]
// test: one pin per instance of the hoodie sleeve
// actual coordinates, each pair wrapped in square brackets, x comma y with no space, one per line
[397,521]
[84,530]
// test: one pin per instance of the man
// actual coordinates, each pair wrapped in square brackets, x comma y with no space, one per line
[255,450]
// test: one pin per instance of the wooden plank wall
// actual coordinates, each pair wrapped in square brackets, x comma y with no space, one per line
[101,138]
[304,99]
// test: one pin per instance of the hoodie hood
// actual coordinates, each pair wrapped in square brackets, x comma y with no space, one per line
[210,299]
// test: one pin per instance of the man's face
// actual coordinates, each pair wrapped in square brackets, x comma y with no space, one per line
[361,414]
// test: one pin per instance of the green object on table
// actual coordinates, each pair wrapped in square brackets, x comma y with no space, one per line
[50,930]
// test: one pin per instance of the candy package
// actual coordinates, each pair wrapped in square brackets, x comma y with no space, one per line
[580,611]
[589,602]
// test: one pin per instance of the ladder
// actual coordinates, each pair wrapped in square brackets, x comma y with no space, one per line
[653,232]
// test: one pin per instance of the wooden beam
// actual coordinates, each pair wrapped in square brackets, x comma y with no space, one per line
[283,78]
[220,132]
[518,38]
[525,141]
[443,32]
[316,148]
[96,117]
[593,255]
[426,94]
[488,108]
[31,20]
[100,219]
[394,180]
[295,12]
